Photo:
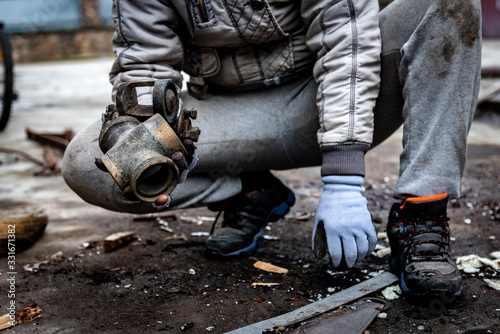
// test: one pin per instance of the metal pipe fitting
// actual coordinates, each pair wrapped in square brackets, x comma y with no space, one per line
[146,148]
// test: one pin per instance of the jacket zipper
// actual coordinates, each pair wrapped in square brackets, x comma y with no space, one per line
[203,10]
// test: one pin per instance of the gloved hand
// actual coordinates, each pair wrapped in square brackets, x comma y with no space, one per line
[343,224]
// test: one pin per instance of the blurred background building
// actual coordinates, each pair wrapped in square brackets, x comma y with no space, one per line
[57,29]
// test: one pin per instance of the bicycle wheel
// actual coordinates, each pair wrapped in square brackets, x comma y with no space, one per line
[6,79]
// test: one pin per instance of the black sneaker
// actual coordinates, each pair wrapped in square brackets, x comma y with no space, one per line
[246,216]
[419,237]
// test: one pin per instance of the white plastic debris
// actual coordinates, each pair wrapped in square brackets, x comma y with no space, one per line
[381,251]
[467,221]
[200,234]
[376,273]
[192,271]
[382,315]
[493,283]
[392,292]
[472,263]
[382,236]
[270,237]
[495,255]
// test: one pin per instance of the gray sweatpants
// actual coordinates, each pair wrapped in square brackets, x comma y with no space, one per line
[431,55]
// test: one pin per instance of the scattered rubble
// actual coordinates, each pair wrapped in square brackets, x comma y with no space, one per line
[34,267]
[470,264]
[392,292]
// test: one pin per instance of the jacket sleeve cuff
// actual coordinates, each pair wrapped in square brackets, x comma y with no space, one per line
[344,159]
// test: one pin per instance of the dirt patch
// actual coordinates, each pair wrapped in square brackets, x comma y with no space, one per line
[148,286]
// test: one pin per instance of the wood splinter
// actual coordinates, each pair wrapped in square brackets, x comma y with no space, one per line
[119,239]
[20,316]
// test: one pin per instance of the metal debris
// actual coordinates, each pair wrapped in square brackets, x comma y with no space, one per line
[353,318]
[21,154]
[52,162]
[156,216]
[57,140]
[324,305]
[199,220]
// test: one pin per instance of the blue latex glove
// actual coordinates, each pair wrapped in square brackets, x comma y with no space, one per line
[343,224]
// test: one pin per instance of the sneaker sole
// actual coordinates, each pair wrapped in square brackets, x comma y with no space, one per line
[396,269]
[276,213]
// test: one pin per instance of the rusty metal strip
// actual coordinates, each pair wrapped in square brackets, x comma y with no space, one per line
[114,171]
[59,141]
[326,304]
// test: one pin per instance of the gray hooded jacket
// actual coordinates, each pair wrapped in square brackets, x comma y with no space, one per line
[243,43]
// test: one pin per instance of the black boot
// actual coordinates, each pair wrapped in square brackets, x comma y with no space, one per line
[419,237]
[263,199]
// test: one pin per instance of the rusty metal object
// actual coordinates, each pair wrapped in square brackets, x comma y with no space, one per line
[58,140]
[147,147]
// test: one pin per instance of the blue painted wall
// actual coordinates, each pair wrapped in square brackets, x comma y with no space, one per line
[24,16]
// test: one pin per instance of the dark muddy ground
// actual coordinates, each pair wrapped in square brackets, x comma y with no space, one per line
[151,285]
[147,286]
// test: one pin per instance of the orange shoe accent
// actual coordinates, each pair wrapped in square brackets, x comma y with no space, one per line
[424,199]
